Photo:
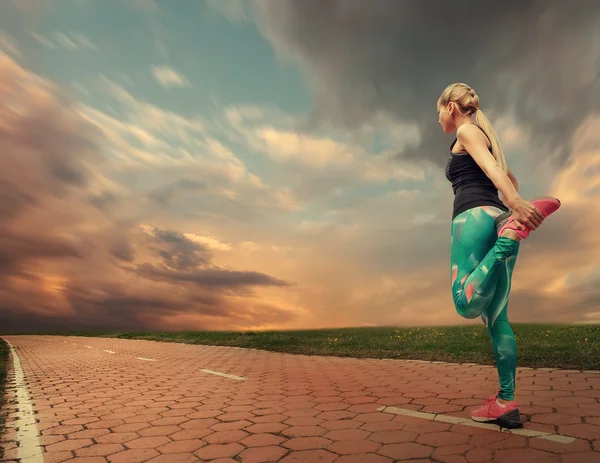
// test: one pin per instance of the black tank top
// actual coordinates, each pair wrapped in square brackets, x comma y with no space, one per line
[472,188]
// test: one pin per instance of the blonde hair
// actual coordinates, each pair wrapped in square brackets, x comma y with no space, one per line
[468,103]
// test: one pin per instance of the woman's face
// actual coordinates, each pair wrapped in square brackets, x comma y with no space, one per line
[445,118]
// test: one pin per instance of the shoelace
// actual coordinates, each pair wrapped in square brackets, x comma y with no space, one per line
[489,402]
[488,405]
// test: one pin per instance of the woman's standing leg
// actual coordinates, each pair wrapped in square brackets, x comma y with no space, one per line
[495,318]
[505,353]
[482,265]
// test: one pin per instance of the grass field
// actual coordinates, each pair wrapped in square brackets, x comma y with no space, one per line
[4,358]
[551,346]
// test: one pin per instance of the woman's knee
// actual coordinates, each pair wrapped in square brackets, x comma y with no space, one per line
[465,310]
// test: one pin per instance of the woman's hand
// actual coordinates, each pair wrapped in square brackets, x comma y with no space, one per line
[526,214]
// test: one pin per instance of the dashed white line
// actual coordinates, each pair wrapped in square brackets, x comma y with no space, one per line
[466,422]
[145,359]
[89,347]
[29,450]
[210,372]
[110,351]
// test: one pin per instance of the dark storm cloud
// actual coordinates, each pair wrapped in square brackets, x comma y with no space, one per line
[19,248]
[13,322]
[107,306]
[213,277]
[103,200]
[122,249]
[537,59]
[45,151]
[12,200]
[113,305]
[526,306]
[63,164]
[184,260]
[180,253]
[117,307]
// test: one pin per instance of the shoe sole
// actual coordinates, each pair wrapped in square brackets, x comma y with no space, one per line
[510,420]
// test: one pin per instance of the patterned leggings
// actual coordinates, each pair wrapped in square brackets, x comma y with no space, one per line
[482,265]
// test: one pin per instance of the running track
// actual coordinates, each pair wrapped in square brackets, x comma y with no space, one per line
[101,400]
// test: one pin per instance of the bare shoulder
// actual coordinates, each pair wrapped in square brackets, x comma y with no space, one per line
[469,132]
[472,138]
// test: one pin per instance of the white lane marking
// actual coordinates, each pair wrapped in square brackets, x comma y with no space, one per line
[147,360]
[467,422]
[210,372]
[109,351]
[29,450]
[89,347]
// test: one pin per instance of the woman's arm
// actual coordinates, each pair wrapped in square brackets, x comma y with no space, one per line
[474,142]
[513,180]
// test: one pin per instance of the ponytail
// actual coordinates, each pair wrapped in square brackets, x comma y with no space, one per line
[486,126]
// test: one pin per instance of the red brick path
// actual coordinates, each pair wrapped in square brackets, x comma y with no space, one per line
[94,406]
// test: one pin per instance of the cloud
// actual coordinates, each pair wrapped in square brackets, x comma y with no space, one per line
[72,253]
[8,45]
[182,254]
[235,11]
[43,40]
[313,165]
[212,278]
[194,165]
[122,249]
[71,41]
[287,145]
[567,247]
[364,59]
[208,241]
[168,77]
[22,247]
[82,41]
[185,260]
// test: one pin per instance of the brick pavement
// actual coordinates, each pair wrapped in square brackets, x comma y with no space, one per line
[108,400]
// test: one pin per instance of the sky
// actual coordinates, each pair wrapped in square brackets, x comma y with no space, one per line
[277,164]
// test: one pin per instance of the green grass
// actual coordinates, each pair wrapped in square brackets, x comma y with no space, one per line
[4,359]
[551,346]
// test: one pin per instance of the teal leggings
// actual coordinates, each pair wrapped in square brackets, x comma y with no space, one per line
[482,265]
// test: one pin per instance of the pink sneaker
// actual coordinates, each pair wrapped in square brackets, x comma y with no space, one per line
[506,416]
[545,204]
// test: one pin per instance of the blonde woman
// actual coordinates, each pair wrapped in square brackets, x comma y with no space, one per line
[486,234]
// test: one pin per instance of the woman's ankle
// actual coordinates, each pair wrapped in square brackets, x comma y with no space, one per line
[508,233]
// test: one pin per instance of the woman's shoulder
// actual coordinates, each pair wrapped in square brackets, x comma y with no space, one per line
[467,134]
[468,130]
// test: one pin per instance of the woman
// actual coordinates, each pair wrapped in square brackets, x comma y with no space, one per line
[486,234]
